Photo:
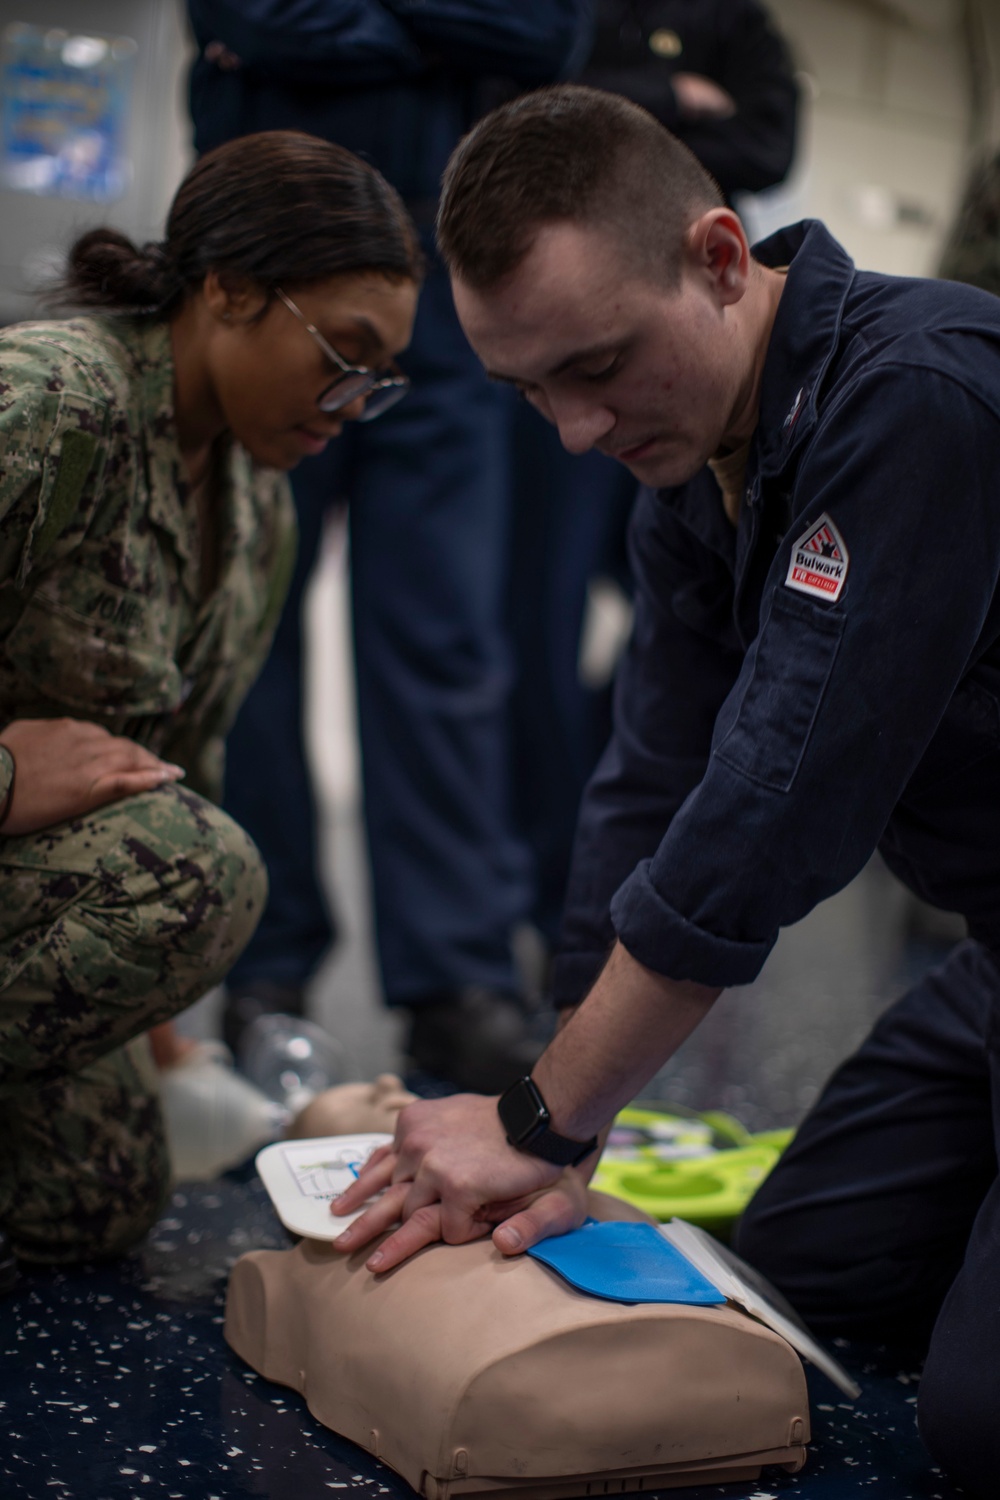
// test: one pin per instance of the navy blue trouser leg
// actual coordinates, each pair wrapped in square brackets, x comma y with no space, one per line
[268,784]
[429,500]
[883,1218]
[428,493]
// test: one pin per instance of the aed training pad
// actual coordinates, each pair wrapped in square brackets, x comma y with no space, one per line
[624,1262]
[303,1178]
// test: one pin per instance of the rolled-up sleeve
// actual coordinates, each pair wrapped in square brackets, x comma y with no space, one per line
[838,699]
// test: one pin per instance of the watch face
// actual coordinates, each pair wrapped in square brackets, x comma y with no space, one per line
[522,1111]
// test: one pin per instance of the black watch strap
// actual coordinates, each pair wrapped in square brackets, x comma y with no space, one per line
[525,1118]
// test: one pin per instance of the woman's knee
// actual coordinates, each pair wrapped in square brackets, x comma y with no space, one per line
[195,884]
[159,896]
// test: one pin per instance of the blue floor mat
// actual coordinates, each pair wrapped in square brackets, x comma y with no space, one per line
[115,1384]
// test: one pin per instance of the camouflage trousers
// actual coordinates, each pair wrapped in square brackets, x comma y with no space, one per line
[108,925]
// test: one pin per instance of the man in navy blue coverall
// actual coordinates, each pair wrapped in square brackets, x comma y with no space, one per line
[718,74]
[814,674]
[397,81]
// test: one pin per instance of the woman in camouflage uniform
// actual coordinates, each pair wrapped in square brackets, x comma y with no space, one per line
[146,538]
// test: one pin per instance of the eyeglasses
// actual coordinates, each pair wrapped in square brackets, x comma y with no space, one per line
[381,388]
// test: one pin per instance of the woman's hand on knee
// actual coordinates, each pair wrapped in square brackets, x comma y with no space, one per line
[64,768]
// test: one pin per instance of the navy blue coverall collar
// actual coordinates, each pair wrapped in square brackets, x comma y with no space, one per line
[803,342]
[804,339]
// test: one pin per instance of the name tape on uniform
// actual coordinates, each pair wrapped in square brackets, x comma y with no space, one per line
[819,562]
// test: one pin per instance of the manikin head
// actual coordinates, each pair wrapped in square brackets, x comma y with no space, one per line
[596,267]
[353,1109]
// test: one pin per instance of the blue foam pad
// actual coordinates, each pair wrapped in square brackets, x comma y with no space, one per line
[625,1263]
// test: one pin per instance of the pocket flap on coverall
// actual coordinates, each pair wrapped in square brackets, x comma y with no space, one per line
[793,660]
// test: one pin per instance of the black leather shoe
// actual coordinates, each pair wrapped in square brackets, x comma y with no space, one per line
[8,1266]
[478,1039]
[261,997]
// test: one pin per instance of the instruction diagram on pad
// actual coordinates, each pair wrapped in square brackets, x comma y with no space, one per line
[303,1177]
[324,1173]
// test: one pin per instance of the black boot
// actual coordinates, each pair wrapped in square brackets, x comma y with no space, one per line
[476,1038]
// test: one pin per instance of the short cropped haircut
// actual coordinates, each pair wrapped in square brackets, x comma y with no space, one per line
[568,154]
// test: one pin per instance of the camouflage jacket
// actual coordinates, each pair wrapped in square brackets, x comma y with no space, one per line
[103,614]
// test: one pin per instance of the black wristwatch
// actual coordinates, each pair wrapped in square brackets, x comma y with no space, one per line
[525,1118]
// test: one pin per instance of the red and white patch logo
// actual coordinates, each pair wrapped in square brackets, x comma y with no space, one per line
[819,562]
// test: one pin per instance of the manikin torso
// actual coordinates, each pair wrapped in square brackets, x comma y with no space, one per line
[469,1372]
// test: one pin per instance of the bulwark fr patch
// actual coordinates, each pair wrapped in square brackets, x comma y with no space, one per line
[819,562]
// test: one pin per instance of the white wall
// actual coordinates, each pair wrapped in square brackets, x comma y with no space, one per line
[174,56]
[888,121]
[36,230]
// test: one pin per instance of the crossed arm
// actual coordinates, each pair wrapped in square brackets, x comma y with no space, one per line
[450,1173]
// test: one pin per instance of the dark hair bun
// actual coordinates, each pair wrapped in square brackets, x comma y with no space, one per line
[105,269]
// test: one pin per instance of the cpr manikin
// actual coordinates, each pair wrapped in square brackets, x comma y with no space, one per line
[471,1373]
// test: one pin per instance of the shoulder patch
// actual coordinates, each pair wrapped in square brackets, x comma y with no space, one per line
[819,562]
[75,459]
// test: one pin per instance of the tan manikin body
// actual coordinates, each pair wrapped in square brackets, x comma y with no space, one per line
[469,1373]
